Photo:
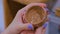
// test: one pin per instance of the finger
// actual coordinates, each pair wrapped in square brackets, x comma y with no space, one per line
[23,10]
[26,26]
[35,4]
[38,30]
[44,28]
[19,16]
[43,31]
[27,32]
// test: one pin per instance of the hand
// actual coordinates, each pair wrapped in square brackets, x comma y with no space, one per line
[39,30]
[17,24]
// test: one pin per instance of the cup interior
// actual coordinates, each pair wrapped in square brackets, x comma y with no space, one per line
[35,15]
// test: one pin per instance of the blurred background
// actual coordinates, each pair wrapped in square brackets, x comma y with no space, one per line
[1,16]
[7,15]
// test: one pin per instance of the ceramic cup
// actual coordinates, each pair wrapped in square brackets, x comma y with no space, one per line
[36,15]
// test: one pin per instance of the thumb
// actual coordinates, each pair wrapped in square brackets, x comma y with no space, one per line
[41,30]
[27,26]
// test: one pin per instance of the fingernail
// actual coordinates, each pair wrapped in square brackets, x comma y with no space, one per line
[45,25]
[30,26]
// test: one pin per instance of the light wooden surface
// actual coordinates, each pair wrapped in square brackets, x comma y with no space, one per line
[31,1]
[10,10]
[8,16]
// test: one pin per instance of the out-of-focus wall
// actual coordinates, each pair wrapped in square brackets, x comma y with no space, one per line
[1,16]
[56,5]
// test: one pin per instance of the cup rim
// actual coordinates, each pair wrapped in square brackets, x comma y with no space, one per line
[45,15]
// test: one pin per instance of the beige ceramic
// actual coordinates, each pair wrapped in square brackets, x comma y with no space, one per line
[36,15]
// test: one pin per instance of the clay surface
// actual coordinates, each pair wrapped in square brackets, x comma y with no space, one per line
[35,15]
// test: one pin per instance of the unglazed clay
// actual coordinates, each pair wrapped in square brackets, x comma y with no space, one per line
[36,15]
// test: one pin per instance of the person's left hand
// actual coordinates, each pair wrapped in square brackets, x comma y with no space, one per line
[20,14]
[18,25]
